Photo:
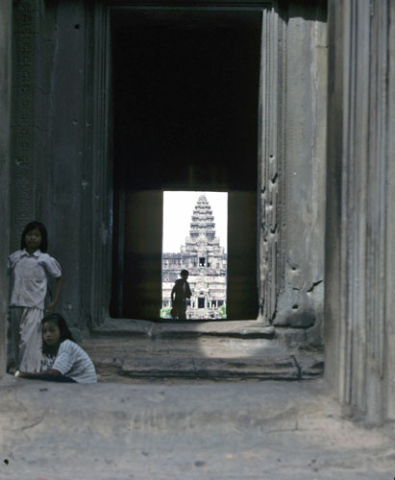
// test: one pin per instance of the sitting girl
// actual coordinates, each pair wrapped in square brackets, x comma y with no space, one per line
[63,360]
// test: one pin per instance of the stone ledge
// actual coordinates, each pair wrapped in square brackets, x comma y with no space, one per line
[122,326]
[273,368]
[151,329]
[310,365]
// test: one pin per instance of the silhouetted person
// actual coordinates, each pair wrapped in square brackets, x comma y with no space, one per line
[179,295]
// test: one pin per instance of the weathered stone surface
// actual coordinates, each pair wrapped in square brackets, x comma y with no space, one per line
[62,128]
[127,358]
[310,364]
[293,182]
[274,368]
[122,326]
[359,293]
[242,329]
[259,431]
[5,161]
[228,329]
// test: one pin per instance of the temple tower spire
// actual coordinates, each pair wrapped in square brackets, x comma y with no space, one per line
[202,223]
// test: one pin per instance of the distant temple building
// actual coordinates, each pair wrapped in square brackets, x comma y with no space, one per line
[206,262]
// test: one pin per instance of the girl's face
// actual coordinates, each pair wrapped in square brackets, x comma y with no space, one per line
[33,239]
[51,334]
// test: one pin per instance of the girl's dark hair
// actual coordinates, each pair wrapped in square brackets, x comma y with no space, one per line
[65,333]
[43,231]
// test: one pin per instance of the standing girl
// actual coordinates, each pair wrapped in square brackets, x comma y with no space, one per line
[29,269]
[63,360]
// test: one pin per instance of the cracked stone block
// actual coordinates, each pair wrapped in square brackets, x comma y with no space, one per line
[271,367]
[311,366]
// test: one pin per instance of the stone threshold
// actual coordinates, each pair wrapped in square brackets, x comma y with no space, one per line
[285,368]
[164,352]
[192,328]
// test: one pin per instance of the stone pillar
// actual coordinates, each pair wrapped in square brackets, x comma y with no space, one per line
[70,190]
[389,393]
[5,112]
[61,169]
[292,166]
[359,334]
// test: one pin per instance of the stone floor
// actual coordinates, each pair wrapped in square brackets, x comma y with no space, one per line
[131,351]
[235,431]
[187,405]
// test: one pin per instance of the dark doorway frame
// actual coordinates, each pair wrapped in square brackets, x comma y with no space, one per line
[268,145]
[136,263]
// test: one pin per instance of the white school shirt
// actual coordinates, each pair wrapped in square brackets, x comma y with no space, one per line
[73,362]
[29,277]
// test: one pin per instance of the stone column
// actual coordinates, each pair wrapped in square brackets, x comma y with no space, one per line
[292,167]
[389,394]
[359,336]
[5,112]
[61,171]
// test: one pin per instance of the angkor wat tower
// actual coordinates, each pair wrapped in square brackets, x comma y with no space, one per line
[206,262]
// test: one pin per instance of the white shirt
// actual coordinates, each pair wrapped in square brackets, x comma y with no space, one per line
[29,277]
[73,362]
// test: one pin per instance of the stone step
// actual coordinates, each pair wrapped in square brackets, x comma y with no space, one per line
[178,329]
[283,367]
[274,368]
[126,359]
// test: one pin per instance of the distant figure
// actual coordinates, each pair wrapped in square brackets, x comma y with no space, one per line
[30,268]
[63,360]
[179,295]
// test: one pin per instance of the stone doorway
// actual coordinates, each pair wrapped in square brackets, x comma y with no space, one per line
[68,149]
[185,115]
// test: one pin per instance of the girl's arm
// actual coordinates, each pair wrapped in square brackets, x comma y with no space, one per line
[36,376]
[51,306]
[12,261]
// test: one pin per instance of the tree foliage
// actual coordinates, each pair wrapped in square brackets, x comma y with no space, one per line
[222,311]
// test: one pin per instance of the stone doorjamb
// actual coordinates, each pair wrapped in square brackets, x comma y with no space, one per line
[101,218]
[269,163]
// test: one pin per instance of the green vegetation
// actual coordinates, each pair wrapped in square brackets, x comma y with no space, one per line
[222,311]
[165,312]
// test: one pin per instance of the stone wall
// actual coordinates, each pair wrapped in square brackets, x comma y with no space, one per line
[59,175]
[62,167]
[360,227]
[5,155]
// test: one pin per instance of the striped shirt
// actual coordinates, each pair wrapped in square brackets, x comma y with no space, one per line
[72,361]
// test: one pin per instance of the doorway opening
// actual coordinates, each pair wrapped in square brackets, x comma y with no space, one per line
[195,231]
[185,117]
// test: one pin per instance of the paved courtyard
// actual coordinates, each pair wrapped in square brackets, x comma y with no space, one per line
[266,430]
[156,414]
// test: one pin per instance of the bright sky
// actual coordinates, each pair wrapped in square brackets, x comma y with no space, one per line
[177,214]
